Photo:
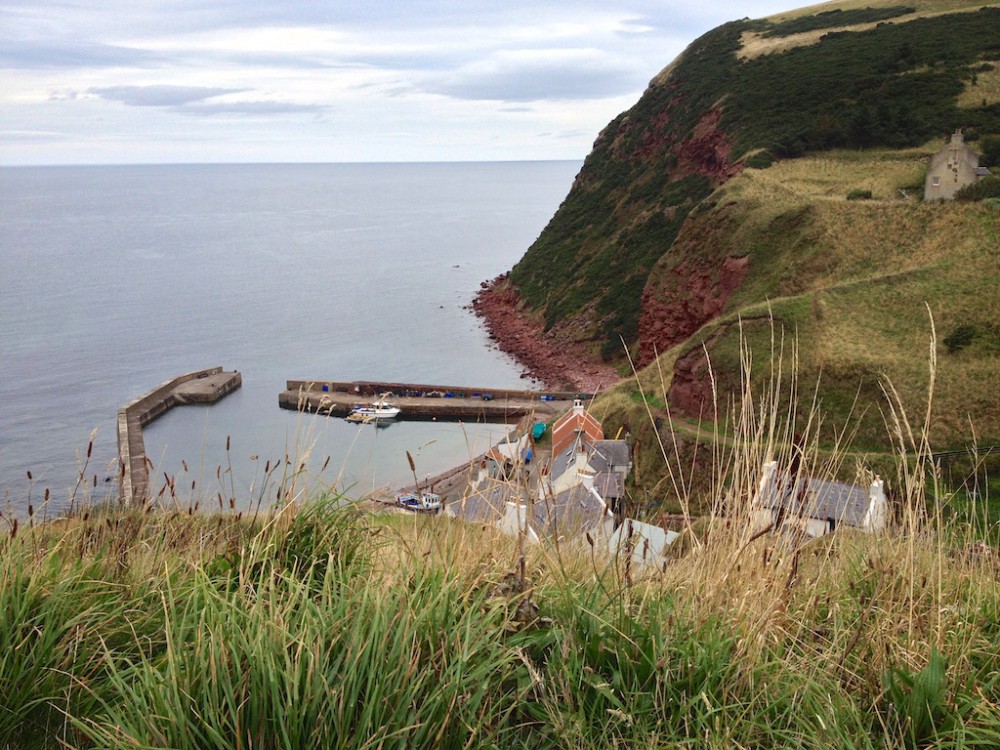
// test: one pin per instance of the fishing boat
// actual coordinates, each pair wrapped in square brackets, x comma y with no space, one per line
[426,502]
[374,412]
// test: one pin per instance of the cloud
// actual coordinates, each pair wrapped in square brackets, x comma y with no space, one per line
[250,108]
[200,101]
[534,75]
[159,96]
[20,54]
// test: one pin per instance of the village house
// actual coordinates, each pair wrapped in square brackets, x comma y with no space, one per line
[952,168]
[570,496]
[817,506]
[582,457]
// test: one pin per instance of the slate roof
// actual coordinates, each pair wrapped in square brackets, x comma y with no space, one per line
[609,453]
[817,498]
[570,512]
[560,462]
[604,455]
[489,504]
[609,485]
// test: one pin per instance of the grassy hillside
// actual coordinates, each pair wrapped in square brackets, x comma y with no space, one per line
[835,310]
[856,283]
[841,75]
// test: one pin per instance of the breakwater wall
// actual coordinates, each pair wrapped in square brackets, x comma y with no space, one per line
[426,402]
[378,387]
[198,387]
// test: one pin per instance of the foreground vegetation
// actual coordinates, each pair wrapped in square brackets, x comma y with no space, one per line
[320,625]
[323,628]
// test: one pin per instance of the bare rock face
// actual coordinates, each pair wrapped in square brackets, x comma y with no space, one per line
[691,387]
[707,150]
[676,305]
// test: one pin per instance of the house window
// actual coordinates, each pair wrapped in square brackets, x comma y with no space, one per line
[935,181]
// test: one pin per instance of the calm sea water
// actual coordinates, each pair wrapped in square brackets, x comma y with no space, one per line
[114,279]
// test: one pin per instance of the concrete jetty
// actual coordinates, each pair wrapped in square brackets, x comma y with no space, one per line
[199,387]
[441,403]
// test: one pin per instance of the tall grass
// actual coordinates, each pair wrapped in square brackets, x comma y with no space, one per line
[319,625]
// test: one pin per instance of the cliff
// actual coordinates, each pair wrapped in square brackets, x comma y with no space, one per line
[722,196]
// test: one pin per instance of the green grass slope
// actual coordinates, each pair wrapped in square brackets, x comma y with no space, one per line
[314,626]
[856,284]
[842,297]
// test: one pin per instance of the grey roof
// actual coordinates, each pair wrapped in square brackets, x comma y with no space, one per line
[817,498]
[609,484]
[609,453]
[602,456]
[982,171]
[563,461]
[570,512]
[488,505]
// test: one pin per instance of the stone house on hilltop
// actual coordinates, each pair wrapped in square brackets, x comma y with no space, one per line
[952,168]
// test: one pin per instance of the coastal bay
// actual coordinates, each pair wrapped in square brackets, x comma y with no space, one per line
[116,278]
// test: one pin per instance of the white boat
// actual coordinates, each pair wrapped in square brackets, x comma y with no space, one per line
[419,501]
[375,411]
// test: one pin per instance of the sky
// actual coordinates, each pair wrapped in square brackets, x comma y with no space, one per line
[207,81]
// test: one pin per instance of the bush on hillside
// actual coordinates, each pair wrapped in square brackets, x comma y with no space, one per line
[760,160]
[990,145]
[960,338]
[988,187]
[836,18]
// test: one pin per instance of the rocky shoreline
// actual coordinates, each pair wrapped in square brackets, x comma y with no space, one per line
[554,362]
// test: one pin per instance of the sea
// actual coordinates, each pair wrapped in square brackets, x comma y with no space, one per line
[114,279]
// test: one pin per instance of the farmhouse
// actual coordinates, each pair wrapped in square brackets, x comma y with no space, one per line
[952,168]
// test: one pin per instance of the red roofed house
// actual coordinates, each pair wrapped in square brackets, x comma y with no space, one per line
[575,426]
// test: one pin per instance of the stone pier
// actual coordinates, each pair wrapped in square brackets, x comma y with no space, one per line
[199,387]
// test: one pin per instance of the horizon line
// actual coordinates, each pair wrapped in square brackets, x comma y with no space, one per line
[50,165]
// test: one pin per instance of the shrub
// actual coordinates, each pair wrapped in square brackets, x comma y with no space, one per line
[960,338]
[760,160]
[990,145]
[988,187]
[857,194]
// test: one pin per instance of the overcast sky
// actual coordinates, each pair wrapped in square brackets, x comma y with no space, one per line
[159,81]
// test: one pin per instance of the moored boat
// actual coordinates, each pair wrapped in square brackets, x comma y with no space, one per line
[427,502]
[375,411]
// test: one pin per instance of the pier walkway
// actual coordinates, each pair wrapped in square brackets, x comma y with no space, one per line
[439,403]
[199,387]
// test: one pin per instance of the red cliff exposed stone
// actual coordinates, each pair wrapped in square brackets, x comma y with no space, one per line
[706,151]
[691,386]
[695,291]
[555,363]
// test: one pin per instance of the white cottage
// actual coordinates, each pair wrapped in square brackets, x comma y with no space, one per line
[818,506]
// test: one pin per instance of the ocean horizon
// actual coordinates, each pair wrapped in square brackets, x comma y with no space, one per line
[116,278]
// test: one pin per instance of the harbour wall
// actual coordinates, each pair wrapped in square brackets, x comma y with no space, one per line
[426,402]
[198,387]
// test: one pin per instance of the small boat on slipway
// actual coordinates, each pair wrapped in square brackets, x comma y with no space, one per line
[378,411]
